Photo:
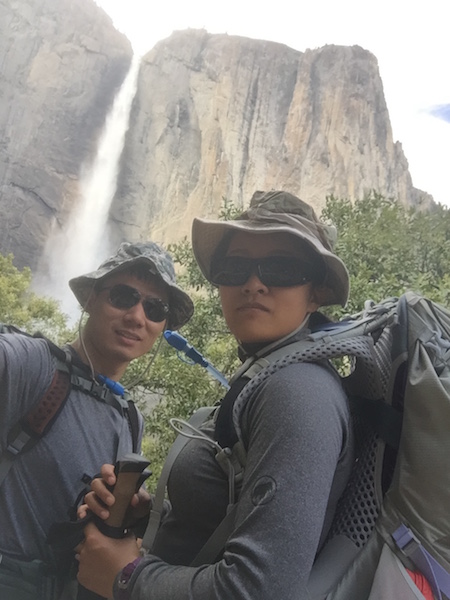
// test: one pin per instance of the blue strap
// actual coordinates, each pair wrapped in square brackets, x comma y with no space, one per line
[437,576]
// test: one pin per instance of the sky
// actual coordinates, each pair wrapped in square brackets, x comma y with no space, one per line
[409,38]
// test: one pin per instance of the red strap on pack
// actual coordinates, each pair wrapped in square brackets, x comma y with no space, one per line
[41,417]
[422,584]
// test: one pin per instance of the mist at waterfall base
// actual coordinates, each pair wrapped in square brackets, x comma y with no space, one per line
[83,243]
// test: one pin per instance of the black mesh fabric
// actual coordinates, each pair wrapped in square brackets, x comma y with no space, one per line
[360,504]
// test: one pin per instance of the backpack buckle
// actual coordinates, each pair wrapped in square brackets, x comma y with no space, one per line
[406,541]
[99,391]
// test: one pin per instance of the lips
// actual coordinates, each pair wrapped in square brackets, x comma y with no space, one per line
[128,335]
[253,306]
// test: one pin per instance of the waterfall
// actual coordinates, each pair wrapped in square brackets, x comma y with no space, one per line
[80,246]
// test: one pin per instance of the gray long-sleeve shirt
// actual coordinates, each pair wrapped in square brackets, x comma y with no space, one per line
[298,436]
[45,481]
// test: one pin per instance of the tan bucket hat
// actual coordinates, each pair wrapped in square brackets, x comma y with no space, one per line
[278,211]
[159,263]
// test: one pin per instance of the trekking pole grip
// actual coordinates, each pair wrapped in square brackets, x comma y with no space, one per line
[131,472]
[130,475]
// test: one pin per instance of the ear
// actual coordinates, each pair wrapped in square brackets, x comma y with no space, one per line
[316,298]
[90,301]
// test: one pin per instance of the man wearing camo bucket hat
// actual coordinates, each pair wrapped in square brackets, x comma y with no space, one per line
[289,437]
[130,299]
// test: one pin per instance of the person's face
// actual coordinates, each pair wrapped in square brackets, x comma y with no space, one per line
[116,336]
[255,312]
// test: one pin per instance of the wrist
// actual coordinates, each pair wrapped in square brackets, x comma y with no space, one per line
[124,578]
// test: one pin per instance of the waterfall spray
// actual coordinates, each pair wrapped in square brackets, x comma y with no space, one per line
[82,244]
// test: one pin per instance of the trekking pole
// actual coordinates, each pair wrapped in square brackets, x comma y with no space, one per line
[131,472]
[178,342]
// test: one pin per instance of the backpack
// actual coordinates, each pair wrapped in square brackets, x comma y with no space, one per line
[37,422]
[393,518]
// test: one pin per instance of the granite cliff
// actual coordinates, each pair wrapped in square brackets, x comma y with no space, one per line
[214,116]
[218,117]
[61,63]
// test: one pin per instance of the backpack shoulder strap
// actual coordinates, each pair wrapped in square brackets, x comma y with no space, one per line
[133,421]
[196,420]
[225,432]
[37,422]
[108,391]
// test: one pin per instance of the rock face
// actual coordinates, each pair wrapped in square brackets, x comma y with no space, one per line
[219,117]
[214,117]
[61,63]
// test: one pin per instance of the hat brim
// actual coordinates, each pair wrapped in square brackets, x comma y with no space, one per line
[207,235]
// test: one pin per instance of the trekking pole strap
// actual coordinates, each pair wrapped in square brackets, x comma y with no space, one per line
[437,576]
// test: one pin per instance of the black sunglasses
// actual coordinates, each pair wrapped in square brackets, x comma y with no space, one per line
[124,297]
[272,271]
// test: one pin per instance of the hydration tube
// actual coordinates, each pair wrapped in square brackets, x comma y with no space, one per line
[180,344]
[114,386]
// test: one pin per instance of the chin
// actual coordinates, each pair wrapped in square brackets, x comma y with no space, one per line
[255,339]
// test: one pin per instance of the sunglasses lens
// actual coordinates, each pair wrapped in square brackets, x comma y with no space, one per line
[283,271]
[124,297]
[273,271]
[231,270]
[155,309]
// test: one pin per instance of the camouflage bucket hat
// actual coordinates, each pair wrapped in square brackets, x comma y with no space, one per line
[278,211]
[159,263]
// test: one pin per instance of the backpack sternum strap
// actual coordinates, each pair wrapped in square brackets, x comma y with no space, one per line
[102,393]
[99,391]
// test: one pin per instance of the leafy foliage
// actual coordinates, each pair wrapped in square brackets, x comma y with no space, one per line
[387,249]
[19,306]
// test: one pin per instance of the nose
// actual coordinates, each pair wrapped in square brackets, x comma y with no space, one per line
[254,285]
[136,314]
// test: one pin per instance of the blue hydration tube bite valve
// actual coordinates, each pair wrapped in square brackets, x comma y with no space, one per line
[180,344]
[114,386]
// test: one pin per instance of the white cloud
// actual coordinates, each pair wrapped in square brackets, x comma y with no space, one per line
[409,39]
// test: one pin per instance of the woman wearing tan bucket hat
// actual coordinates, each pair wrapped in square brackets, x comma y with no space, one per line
[274,267]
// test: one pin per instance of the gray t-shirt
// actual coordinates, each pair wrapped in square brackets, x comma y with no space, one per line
[45,481]
[297,429]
